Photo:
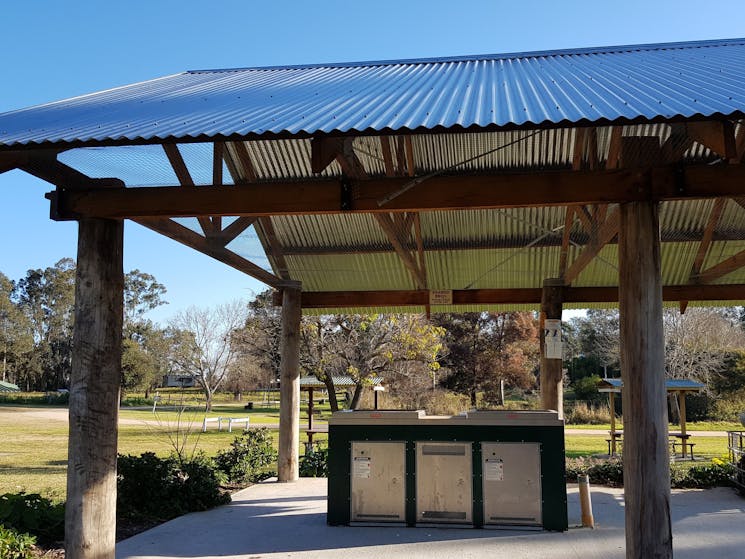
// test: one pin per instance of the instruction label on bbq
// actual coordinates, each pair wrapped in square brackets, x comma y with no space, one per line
[361,466]
[494,469]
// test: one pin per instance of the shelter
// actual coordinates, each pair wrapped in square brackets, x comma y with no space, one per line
[310,384]
[8,387]
[677,386]
[530,180]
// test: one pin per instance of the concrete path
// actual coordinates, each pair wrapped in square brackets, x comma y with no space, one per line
[273,520]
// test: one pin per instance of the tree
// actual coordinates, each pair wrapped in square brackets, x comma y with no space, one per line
[16,341]
[698,343]
[144,345]
[46,297]
[207,348]
[485,348]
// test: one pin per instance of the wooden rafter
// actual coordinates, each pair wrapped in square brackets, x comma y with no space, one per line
[579,148]
[565,238]
[231,232]
[739,144]
[341,299]
[388,225]
[585,217]
[558,188]
[47,168]
[727,266]
[676,144]
[601,235]
[385,148]
[614,148]
[703,248]
[184,178]
[218,148]
[717,135]
[186,236]
[409,156]
[420,246]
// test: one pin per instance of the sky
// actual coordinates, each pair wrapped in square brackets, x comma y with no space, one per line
[54,50]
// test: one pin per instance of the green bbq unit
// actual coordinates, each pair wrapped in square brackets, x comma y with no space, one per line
[480,468]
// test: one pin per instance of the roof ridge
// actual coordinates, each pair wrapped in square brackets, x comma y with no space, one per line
[612,49]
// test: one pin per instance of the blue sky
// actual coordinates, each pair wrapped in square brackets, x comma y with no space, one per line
[54,50]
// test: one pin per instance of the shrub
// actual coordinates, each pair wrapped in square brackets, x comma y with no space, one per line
[716,474]
[586,388]
[248,456]
[601,472]
[727,409]
[610,472]
[582,413]
[156,488]
[315,463]
[34,514]
[15,545]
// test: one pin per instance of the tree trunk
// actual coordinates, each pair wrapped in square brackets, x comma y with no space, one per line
[356,395]
[645,453]
[328,381]
[289,387]
[90,511]
[552,376]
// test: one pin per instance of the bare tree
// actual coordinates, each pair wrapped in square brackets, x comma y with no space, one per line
[207,350]
[698,342]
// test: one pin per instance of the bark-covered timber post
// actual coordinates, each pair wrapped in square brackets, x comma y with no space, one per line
[645,451]
[90,511]
[289,385]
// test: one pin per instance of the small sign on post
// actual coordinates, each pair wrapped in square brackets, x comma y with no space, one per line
[553,346]
[441,297]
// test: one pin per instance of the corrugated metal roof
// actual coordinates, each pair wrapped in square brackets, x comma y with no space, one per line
[641,82]
[8,387]
[615,384]
[339,382]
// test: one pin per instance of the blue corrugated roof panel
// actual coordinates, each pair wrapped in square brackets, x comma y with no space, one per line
[632,83]
[671,384]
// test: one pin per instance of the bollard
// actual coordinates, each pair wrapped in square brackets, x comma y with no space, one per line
[585,502]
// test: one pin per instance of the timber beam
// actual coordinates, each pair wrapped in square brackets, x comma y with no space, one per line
[524,296]
[208,246]
[441,193]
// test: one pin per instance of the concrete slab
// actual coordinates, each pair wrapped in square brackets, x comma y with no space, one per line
[272,520]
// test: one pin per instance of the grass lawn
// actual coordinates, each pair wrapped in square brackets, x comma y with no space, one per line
[674,427]
[33,453]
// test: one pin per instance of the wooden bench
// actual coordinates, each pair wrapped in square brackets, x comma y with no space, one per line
[232,420]
[207,420]
[310,433]
[683,444]
[219,420]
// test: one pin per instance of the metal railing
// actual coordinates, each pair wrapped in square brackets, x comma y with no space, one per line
[736,445]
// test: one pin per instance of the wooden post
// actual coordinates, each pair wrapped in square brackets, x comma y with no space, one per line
[310,408]
[612,397]
[552,387]
[645,454]
[682,411]
[90,511]
[289,386]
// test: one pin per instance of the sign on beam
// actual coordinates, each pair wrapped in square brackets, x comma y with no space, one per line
[441,297]
[553,346]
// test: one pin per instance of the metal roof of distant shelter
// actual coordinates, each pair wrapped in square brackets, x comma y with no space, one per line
[339,382]
[672,385]
[625,84]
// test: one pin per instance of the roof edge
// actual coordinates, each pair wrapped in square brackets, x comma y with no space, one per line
[680,45]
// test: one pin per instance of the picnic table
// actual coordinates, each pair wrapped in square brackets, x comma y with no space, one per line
[681,439]
[614,441]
